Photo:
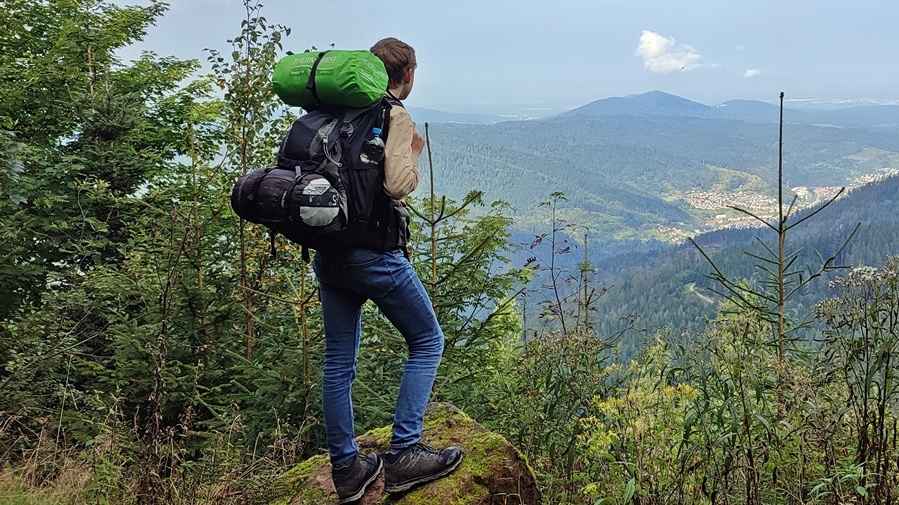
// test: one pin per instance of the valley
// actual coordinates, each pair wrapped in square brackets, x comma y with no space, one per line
[640,170]
[716,209]
[640,175]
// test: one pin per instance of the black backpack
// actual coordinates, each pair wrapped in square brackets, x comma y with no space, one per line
[320,194]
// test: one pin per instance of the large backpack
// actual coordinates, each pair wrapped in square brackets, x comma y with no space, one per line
[320,195]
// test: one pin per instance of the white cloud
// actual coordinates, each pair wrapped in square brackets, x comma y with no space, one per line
[660,55]
[752,72]
[739,47]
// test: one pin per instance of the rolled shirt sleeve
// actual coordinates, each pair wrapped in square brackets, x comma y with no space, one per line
[401,174]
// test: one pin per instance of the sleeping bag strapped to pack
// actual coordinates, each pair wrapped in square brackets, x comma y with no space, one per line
[342,78]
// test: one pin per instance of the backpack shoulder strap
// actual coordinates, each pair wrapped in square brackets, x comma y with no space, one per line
[394,102]
[392,99]
[382,106]
[388,102]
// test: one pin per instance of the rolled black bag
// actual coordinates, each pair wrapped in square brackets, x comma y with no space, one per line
[292,204]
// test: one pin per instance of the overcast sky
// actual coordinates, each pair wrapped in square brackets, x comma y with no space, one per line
[507,56]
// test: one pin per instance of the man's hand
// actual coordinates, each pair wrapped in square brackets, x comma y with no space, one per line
[418,142]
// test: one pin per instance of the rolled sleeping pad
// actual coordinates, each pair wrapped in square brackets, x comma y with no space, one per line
[343,78]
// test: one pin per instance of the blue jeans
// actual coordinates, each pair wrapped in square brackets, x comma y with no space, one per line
[346,281]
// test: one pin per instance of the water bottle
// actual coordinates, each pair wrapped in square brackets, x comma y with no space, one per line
[373,148]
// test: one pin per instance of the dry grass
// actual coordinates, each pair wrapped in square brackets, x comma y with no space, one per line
[39,466]
[42,467]
[19,486]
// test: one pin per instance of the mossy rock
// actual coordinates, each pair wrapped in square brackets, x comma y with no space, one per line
[492,471]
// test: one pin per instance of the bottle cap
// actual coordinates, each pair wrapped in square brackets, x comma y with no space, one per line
[376,130]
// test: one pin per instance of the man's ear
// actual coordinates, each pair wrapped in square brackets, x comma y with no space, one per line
[407,75]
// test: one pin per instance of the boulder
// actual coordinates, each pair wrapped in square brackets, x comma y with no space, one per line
[492,471]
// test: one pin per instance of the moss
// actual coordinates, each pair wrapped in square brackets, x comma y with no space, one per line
[485,454]
[491,468]
[305,469]
[298,480]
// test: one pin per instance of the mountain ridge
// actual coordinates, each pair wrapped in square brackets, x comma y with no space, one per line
[660,103]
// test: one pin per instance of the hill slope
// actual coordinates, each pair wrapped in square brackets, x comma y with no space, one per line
[670,289]
[627,177]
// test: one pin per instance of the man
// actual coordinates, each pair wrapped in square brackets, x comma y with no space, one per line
[378,270]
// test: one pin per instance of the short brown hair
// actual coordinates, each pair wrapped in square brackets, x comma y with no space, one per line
[397,57]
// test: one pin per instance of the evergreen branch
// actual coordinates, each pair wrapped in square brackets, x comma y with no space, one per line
[750,214]
[760,258]
[790,210]
[719,276]
[789,260]
[826,266]
[269,296]
[465,259]
[769,249]
[819,209]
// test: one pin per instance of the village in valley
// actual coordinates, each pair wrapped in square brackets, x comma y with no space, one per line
[725,205]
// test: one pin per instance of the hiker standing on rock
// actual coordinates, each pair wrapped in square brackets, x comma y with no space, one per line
[378,270]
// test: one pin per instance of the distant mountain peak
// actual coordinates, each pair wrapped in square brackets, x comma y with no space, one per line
[659,103]
[657,93]
[668,100]
[651,103]
[650,93]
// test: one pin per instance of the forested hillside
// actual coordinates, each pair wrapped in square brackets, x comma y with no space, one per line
[625,176]
[670,290]
[154,351]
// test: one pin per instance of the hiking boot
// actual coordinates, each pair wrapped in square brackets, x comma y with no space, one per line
[417,464]
[351,479]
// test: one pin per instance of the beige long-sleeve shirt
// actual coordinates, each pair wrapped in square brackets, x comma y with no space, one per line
[401,174]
